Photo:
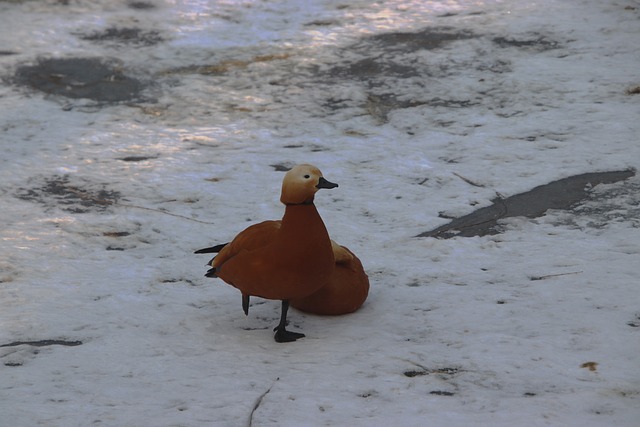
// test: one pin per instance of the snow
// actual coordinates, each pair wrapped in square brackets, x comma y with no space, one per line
[535,326]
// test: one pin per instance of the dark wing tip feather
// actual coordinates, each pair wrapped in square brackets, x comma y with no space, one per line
[212,249]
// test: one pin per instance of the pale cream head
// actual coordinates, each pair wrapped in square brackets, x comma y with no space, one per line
[301,183]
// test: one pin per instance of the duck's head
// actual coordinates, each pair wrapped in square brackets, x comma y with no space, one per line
[301,183]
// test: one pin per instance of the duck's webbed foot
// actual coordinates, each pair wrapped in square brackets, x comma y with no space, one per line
[282,335]
[245,304]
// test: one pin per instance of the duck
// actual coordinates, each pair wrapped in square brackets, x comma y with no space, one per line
[288,259]
[346,290]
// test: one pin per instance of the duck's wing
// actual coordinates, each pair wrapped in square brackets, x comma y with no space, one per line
[251,239]
[341,254]
[346,290]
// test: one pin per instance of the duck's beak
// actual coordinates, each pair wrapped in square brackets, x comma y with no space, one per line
[323,183]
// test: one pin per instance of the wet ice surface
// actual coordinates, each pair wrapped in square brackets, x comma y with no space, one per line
[561,194]
[421,112]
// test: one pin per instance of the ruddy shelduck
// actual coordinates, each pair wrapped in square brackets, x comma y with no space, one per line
[287,260]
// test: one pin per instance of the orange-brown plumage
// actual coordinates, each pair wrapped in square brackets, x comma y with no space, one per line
[281,260]
[345,291]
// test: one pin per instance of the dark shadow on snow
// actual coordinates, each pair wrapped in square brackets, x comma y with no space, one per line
[90,78]
[562,194]
[78,197]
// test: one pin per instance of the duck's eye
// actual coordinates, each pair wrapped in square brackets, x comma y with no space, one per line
[307,176]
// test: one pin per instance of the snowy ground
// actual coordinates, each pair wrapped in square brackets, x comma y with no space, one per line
[419,110]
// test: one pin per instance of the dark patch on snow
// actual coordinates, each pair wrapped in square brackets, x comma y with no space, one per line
[71,197]
[367,68]
[591,366]
[635,323]
[141,5]
[321,23]
[604,206]
[389,49]
[550,276]
[429,38]
[447,15]
[415,373]
[384,63]
[89,78]
[562,194]
[136,158]
[379,106]
[179,280]
[537,42]
[390,58]
[43,343]
[132,36]
[368,394]
[282,167]
[451,103]
[442,393]
[116,233]
[438,371]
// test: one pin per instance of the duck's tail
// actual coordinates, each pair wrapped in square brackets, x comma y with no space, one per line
[212,249]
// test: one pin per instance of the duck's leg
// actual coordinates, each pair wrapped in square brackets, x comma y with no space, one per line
[282,335]
[245,304]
